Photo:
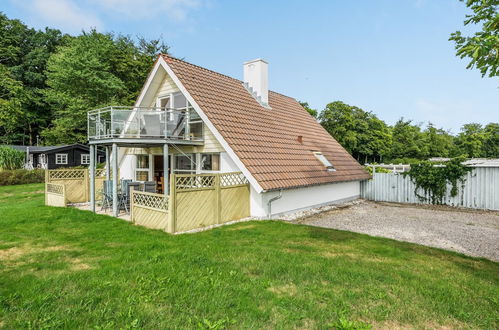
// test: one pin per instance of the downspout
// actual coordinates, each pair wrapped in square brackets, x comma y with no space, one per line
[269,204]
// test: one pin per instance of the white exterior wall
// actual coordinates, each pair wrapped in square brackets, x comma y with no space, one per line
[227,164]
[294,200]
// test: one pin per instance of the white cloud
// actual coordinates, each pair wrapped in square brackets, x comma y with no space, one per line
[75,15]
[177,10]
[63,14]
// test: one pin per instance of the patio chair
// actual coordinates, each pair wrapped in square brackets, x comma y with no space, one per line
[125,194]
[107,194]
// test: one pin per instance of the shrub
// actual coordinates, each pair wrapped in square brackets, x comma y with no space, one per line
[11,159]
[12,177]
[434,178]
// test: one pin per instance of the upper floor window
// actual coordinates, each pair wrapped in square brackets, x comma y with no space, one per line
[61,159]
[210,162]
[85,159]
[324,161]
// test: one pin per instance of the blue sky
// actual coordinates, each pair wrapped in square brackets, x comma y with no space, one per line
[391,57]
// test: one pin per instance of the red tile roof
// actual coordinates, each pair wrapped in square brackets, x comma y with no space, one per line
[267,140]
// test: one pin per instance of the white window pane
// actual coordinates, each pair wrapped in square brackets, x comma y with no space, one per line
[179,101]
[142,161]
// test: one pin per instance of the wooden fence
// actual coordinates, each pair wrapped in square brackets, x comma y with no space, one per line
[479,191]
[149,210]
[55,194]
[202,200]
[77,183]
[195,201]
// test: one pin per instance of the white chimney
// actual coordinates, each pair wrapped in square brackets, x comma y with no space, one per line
[256,79]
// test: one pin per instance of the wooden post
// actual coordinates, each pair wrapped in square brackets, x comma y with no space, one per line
[46,181]
[218,199]
[115,179]
[86,183]
[92,178]
[131,204]
[172,206]
[65,200]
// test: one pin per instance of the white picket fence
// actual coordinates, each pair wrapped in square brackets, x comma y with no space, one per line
[480,190]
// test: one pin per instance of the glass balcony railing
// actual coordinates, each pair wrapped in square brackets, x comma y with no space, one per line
[141,122]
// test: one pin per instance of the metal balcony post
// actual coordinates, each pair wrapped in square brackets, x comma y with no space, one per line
[166,182]
[115,179]
[112,122]
[92,177]
[187,129]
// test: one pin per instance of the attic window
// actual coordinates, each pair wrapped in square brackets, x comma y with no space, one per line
[324,161]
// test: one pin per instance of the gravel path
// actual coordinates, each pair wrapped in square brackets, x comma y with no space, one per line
[474,233]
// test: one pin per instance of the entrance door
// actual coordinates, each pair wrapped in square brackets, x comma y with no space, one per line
[159,172]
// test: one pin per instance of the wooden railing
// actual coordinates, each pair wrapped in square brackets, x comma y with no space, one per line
[76,182]
[149,209]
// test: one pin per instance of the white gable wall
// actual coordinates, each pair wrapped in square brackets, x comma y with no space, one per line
[163,85]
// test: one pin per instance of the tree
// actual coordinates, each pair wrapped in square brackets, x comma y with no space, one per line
[483,47]
[408,141]
[339,120]
[311,111]
[490,146]
[24,52]
[11,94]
[361,133]
[469,141]
[93,70]
[437,141]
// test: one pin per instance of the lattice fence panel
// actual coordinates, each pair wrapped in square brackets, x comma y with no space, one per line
[232,179]
[155,201]
[57,189]
[67,174]
[190,182]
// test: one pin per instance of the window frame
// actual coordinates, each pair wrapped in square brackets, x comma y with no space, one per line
[324,161]
[85,156]
[201,170]
[193,162]
[143,169]
[60,162]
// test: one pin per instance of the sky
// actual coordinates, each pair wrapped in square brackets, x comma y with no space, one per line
[391,57]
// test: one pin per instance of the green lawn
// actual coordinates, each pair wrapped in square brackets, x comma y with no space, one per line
[67,268]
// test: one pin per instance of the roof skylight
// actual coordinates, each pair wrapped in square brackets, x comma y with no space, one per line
[324,161]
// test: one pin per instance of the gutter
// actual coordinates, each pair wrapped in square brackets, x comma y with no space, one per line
[269,203]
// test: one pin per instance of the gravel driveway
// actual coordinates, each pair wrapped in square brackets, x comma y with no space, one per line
[475,233]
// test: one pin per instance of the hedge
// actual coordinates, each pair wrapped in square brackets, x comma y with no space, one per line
[12,177]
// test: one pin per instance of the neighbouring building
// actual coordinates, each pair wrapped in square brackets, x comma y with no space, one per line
[52,157]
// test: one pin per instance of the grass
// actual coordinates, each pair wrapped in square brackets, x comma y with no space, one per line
[65,268]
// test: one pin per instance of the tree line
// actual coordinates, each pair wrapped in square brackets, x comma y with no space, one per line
[370,139]
[48,80]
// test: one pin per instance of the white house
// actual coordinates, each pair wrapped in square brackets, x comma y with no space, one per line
[189,119]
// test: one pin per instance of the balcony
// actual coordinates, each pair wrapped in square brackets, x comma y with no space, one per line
[144,125]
